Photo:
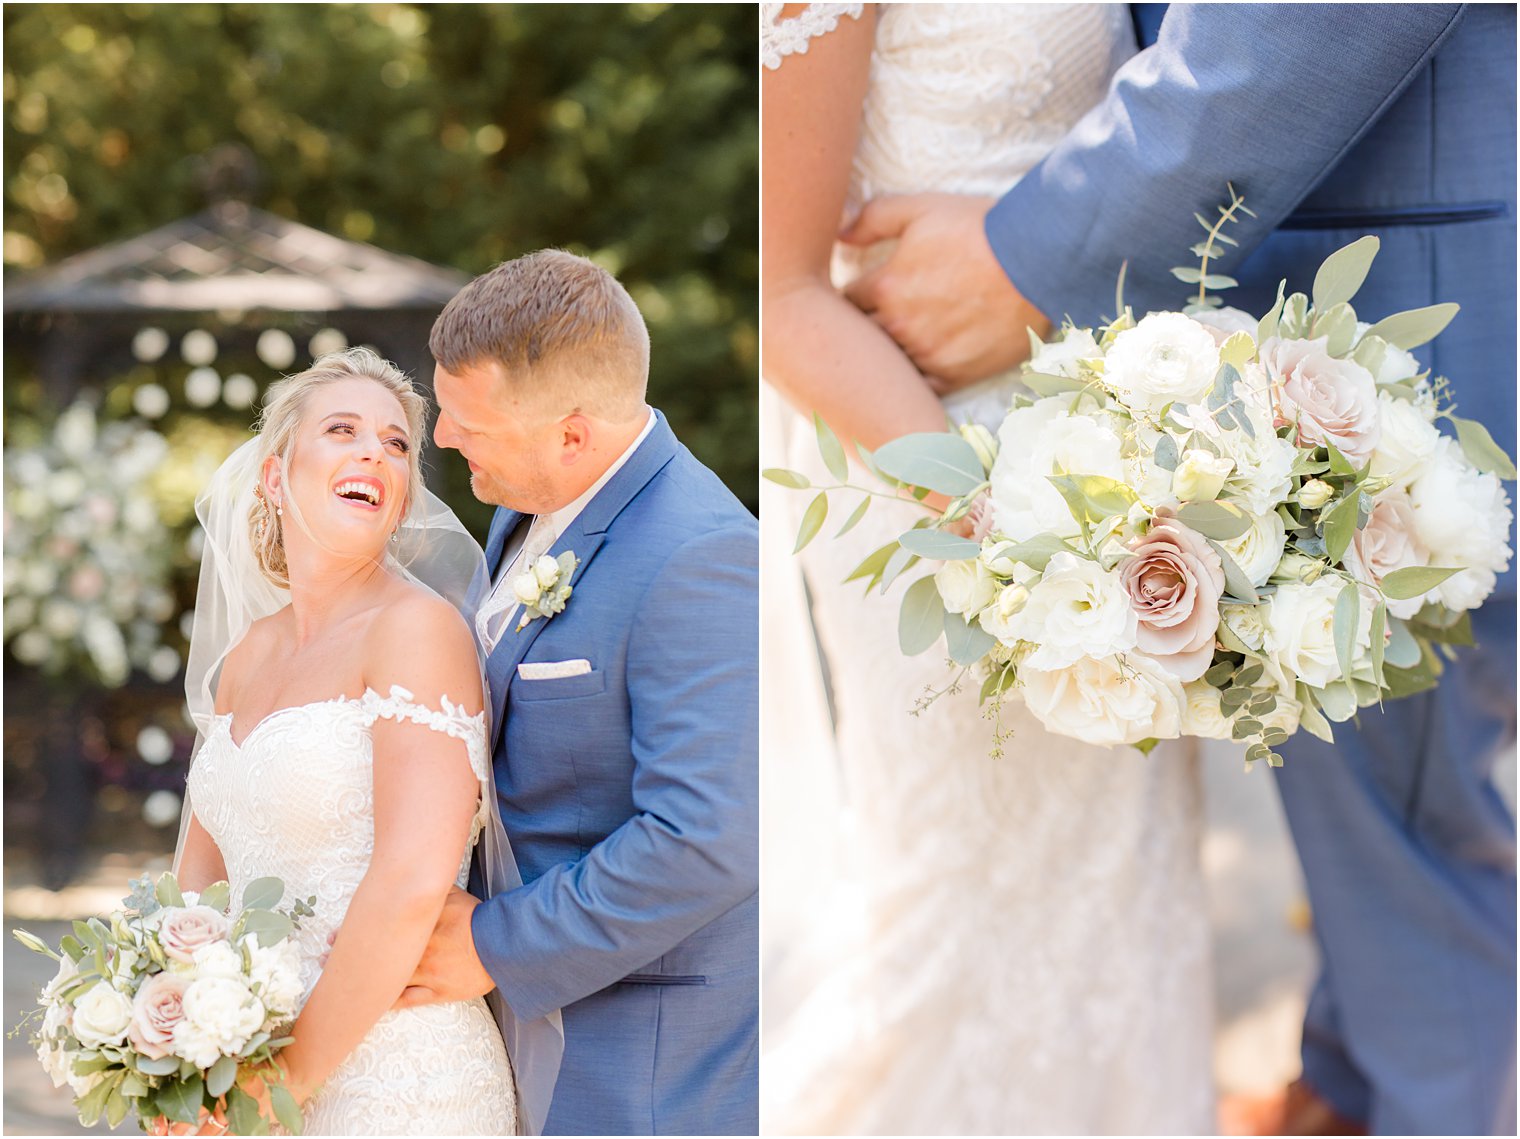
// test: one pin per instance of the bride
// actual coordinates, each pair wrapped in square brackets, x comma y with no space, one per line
[345,751]
[1032,953]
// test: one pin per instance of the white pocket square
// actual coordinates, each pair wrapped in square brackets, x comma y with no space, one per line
[553,669]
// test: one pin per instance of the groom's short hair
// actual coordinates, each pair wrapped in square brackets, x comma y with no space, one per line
[557,322]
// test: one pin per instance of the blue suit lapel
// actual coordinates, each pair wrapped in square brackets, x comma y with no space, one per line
[502,524]
[583,537]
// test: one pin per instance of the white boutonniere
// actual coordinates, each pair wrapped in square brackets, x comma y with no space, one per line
[544,587]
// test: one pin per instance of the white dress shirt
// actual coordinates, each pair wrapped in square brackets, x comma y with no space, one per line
[501,607]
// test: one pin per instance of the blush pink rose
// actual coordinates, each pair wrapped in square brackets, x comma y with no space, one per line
[185,930]
[158,1007]
[1331,401]
[1388,542]
[1174,583]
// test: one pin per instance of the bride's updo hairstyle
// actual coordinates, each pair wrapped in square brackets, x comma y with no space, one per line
[566,334]
[285,405]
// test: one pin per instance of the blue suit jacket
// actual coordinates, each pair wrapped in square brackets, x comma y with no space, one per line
[1335,121]
[630,796]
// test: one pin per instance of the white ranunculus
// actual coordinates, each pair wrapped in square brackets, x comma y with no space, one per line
[966,586]
[277,973]
[1106,701]
[1301,630]
[1039,441]
[1462,517]
[1200,476]
[220,1015]
[1260,548]
[1078,609]
[1060,357]
[997,618]
[1166,358]
[546,571]
[1408,443]
[526,588]
[1202,714]
[101,1016]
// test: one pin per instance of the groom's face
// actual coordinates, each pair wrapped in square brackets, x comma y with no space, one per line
[512,446]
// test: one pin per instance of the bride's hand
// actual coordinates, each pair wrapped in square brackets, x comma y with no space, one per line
[941,293]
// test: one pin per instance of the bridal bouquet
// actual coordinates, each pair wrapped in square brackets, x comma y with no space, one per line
[158,1008]
[1201,523]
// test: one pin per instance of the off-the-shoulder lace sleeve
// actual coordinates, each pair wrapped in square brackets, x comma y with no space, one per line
[781,37]
[452,720]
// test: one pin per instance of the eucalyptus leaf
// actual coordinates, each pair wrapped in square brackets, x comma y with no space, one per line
[1338,327]
[1338,701]
[899,563]
[936,460]
[1250,673]
[1410,329]
[1218,520]
[1347,615]
[263,894]
[1266,328]
[1403,650]
[243,1114]
[216,895]
[70,945]
[181,1100]
[967,641]
[1379,641]
[1092,498]
[1219,673]
[1294,321]
[1412,581]
[167,891]
[855,516]
[1243,728]
[1274,737]
[269,926]
[922,617]
[1219,281]
[1235,580]
[162,1066]
[831,450]
[1165,455]
[1310,717]
[1036,552]
[812,521]
[1237,349]
[222,1075]
[939,544]
[792,480]
[1481,450]
[1339,524]
[1047,384]
[286,1110]
[1188,276]
[1343,272]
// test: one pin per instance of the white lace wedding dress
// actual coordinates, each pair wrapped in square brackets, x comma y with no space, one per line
[1030,950]
[295,800]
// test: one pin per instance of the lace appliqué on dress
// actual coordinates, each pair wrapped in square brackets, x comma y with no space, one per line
[780,38]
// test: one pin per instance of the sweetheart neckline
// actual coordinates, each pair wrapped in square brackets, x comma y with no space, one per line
[227,717]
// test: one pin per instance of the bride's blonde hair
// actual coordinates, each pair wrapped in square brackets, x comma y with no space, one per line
[284,406]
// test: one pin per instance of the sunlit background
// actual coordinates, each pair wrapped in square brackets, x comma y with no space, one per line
[200,198]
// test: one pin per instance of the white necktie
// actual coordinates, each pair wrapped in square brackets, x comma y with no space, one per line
[491,620]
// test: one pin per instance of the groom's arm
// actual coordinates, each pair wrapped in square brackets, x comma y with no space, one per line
[1269,97]
[689,853]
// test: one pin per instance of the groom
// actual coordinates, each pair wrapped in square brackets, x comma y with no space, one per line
[625,752]
[1333,121]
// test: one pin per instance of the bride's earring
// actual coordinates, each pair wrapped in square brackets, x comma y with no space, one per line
[396,535]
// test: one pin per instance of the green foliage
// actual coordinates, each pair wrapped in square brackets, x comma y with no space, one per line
[922,617]
[941,462]
[460,134]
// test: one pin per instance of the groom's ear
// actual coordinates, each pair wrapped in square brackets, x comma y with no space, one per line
[575,438]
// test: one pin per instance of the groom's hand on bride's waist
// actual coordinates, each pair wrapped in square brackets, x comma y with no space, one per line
[450,969]
[941,293]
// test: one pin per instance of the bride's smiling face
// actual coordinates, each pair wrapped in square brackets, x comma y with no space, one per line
[348,470]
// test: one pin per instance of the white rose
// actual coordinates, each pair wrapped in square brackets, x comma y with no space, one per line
[1247,622]
[965,586]
[1060,358]
[220,1015]
[526,588]
[1036,442]
[218,959]
[1395,364]
[1301,630]
[1260,548]
[1225,322]
[1166,358]
[1263,462]
[1202,714]
[997,618]
[546,571]
[277,973]
[1105,701]
[1462,517]
[101,1017]
[1078,609]
[1200,476]
[1408,443]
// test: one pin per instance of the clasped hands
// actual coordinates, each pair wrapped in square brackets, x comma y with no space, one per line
[941,294]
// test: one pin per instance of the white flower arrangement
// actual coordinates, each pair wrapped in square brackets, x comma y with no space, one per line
[544,587]
[1201,523]
[159,1008]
